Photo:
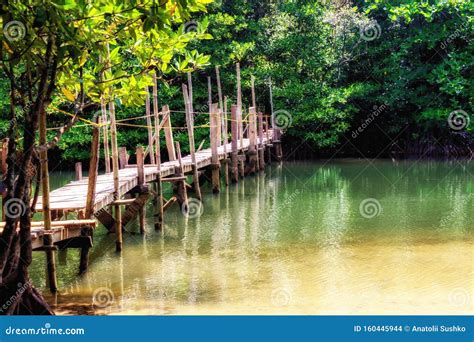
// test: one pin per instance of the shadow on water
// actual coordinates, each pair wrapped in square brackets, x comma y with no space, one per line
[344,236]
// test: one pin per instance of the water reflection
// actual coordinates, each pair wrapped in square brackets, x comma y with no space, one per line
[278,243]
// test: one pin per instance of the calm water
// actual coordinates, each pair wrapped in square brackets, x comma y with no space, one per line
[342,237]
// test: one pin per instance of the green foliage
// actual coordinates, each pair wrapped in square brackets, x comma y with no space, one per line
[325,71]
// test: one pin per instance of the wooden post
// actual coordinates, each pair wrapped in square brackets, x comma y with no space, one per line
[235,135]
[181,193]
[105,129]
[219,88]
[151,153]
[4,167]
[253,162]
[159,189]
[4,156]
[214,145]
[276,131]
[141,182]
[261,152]
[91,190]
[157,119]
[168,133]
[115,169]
[209,93]
[47,239]
[78,167]
[190,93]
[254,102]
[123,157]
[239,106]
[226,141]
[115,166]
[192,149]
[269,150]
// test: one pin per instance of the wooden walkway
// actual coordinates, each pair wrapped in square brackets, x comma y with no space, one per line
[73,196]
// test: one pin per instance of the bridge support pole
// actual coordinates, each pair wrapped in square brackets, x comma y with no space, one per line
[268,147]
[190,126]
[225,161]
[78,168]
[214,136]
[181,193]
[234,155]
[253,157]
[48,240]
[91,190]
[159,189]
[261,157]
[141,182]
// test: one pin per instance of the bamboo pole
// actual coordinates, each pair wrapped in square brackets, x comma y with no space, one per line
[50,259]
[115,166]
[234,153]
[4,156]
[123,157]
[141,182]
[254,102]
[78,168]
[239,106]
[91,191]
[214,128]
[254,123]
[159,189]
[275,130]
[226,141]
[219,88]
[157,120]
[209,93]
[261,152]
[105,129]
[253,162]
[192,149]
[149,127]
[168,133]
[190,91]
[181,195]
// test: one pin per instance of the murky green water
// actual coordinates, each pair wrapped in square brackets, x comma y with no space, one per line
[339,237]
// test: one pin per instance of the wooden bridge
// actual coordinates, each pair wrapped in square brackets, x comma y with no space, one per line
[118,196]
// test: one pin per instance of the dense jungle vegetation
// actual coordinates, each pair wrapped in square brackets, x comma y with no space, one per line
[360,78]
